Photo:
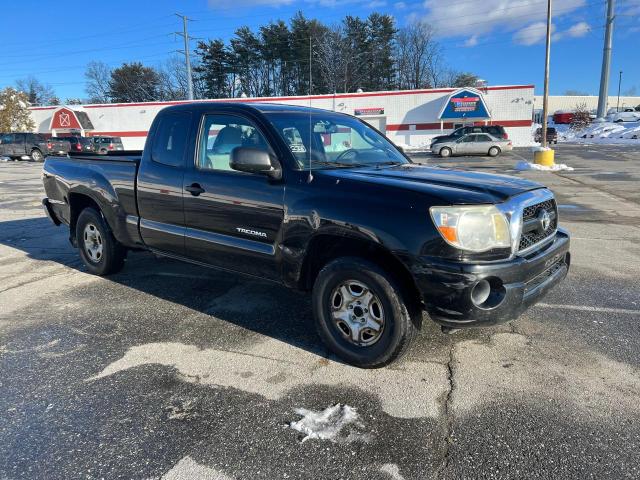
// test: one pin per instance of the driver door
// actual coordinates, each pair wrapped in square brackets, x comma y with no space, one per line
[233,219]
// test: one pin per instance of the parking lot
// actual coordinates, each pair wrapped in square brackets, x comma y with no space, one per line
[168,370]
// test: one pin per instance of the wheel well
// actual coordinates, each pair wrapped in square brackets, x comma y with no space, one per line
[324,248]
[77,203]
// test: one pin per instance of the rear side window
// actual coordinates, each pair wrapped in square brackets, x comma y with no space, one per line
[170,139]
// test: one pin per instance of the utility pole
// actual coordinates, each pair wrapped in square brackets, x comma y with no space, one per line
[603,97]
[185,35]
[619,84]
[545,100]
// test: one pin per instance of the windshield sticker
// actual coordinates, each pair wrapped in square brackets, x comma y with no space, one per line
[297,148]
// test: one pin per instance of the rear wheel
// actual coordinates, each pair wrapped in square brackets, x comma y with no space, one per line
[36,155]
[361,314]
[494,151]
[445,152]
[99,250]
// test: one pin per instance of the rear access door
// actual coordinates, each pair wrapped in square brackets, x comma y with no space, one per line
[159,186]
[233,219]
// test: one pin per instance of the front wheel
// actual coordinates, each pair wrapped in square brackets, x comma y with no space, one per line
[360,313]
[445,152]
[99,250]
[36,155]
[494,151]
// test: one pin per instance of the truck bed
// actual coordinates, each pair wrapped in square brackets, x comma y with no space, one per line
[108,180]
[116,156]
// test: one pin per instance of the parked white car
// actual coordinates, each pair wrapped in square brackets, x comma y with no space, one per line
[472,144]
[629,115]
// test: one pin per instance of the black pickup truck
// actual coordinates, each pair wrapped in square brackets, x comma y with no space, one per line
[322,202]
[31,145]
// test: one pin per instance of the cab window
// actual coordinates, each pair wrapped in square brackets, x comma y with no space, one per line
[220,135]
[170,139]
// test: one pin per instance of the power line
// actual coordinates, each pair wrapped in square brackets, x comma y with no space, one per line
[126,46]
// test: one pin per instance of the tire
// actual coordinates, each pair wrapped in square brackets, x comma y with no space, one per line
[36,155]
[445,152]
[102,151]
[380,294]
[494,151]
[104,255]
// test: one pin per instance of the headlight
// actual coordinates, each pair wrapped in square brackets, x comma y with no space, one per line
[474,228]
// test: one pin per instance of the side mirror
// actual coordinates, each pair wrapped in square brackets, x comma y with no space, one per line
[254,160]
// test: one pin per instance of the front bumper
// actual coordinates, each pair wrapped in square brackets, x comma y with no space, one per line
[450,295]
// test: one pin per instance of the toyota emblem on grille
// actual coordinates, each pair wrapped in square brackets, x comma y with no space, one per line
[545,219]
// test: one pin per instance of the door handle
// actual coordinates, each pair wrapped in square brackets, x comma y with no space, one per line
[195,189]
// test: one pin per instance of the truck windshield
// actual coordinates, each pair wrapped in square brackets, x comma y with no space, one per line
[332,141]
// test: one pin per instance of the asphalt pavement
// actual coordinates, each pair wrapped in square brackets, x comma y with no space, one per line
[172,371]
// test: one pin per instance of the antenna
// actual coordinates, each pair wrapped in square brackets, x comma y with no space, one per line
[310,178]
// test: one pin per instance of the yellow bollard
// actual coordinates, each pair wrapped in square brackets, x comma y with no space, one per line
[544,157]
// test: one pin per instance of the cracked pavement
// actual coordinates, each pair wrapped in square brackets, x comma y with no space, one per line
[172,371]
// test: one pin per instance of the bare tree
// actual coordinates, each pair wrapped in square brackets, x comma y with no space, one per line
[37,92]
[173,80]
[98,75]
[581,117]
[418,57]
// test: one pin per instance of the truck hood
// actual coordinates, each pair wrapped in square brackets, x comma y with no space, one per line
[452,186]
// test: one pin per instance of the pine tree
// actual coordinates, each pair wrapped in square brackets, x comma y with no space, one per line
[381,34]
[213,69]
[133,82]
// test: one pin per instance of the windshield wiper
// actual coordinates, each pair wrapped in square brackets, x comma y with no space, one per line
[388,164]
[336,164]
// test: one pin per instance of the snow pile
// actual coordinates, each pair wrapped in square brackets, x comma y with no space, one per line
[604,132]
[328,423]
[423,147]
[534,166]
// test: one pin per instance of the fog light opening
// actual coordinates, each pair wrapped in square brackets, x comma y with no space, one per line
[480,292]
[488,293]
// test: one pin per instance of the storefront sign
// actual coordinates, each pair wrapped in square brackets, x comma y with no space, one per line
[369,111]
[464,103]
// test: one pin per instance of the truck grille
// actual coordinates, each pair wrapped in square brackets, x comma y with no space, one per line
[529,217]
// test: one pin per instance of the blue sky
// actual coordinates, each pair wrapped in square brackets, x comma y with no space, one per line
[499,40]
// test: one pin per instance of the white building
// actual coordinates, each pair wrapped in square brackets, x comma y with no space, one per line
[570,102]
[410,117]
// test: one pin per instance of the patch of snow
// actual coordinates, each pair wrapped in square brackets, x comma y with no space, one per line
[604,133]
[188,469]
[328,423]
[423,147]
[539,148]
[392,470]
[534,166]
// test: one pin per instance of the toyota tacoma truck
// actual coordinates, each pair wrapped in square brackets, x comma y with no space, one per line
[321,202]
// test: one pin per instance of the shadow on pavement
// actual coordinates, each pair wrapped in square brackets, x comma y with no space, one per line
[262,307]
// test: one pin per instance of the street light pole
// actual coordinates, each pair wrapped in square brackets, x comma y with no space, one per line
[545,101]
[619,84]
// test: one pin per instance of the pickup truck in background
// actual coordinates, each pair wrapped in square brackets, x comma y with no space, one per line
[321,202]
[31,145]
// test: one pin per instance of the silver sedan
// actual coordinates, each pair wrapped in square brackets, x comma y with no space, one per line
[472,144]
